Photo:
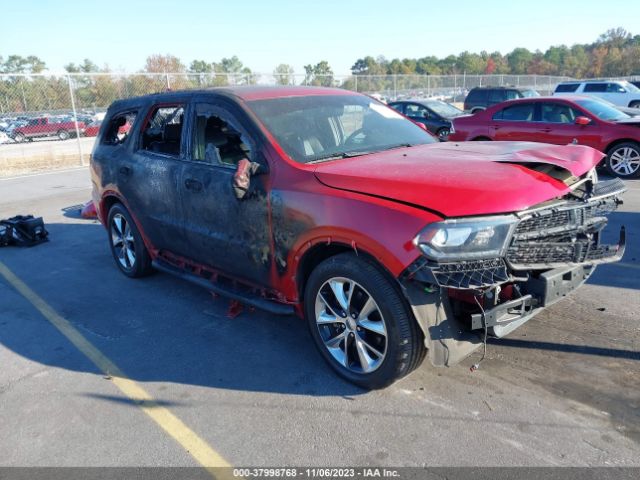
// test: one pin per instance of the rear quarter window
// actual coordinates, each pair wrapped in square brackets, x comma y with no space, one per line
[567,87]
[118,128]
[477,96]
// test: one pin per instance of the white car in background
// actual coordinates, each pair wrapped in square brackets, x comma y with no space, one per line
[618,92]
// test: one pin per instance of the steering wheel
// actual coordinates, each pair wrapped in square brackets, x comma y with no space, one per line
[351,139]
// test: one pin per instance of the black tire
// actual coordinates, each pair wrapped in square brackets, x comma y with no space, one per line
[63,135]
[443,133]
[476,110]
[404,348]
[634,104]
[141,264]
[481,139]
[619,157]
[19,138]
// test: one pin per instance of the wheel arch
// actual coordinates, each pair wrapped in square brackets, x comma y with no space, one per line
[109,199]
[320,252]
[619,141]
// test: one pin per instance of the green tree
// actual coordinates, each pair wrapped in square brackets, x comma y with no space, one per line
[319,74]
[283,74]
[519,60]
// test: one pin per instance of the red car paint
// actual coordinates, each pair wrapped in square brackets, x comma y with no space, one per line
[452,179]
[599,134]
[93,128]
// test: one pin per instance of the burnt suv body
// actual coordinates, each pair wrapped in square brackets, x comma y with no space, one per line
[327,204]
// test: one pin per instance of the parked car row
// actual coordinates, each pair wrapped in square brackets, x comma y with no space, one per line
[27,128]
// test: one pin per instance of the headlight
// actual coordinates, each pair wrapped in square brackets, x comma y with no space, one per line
[466,239]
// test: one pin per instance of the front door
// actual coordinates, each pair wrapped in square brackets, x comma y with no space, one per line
[557,124]
[227,233]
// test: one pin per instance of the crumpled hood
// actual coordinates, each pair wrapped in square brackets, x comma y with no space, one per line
[462,179]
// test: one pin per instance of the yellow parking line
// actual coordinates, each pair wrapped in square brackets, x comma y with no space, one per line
[187,438]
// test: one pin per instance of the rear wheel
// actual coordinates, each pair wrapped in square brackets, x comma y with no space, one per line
[360,323]
[19,137]
[63,135]
[127,246]
[623,160]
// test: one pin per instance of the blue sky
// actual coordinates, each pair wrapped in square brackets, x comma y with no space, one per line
[265,33]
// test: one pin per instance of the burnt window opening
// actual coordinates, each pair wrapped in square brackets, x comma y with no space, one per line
[118,129]
[217,142]
[163,131]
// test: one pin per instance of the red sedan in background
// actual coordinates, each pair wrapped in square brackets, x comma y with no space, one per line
[93,128]
[582,120]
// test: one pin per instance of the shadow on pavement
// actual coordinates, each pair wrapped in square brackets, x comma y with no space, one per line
[568,348]
[156,329]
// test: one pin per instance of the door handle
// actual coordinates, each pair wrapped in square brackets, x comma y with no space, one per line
[545,130]
[191,184]
[126,171]
[495,127]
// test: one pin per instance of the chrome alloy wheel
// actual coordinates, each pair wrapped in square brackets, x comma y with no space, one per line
[351,325]
[123,242]
[625,161]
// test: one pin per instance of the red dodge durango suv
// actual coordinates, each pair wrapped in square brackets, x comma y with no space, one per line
[330,205]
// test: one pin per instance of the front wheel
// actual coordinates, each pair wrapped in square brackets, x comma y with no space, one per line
[360,323]
[635,104]
[63,135]
[19,138]
[443,134]
[623,160]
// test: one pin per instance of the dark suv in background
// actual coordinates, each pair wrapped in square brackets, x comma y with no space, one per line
[480,98]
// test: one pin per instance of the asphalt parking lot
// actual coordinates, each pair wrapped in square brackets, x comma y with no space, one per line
[562,390]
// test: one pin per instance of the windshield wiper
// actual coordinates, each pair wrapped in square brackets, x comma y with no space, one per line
[335,156]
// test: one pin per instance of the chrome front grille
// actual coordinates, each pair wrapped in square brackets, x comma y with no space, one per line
[563,234]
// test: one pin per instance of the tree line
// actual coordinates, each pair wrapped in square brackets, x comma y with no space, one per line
[615,53]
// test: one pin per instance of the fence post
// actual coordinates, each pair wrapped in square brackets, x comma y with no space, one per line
[75,120]
[355,78]
[168,82]
[395,86]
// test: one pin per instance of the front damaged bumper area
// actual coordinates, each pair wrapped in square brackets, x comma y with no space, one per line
[551,251]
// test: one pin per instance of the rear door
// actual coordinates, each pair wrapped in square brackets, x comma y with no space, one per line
[149,177]
[514,123]
[227,233]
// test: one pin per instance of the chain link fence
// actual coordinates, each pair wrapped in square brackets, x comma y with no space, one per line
[50,121]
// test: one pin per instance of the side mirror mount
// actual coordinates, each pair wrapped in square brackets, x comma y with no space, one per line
[242,177]
[582,120]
